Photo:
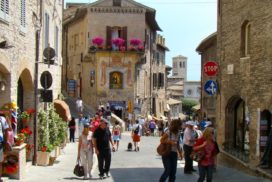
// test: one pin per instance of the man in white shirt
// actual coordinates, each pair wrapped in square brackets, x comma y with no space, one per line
[79,105]
[189,141]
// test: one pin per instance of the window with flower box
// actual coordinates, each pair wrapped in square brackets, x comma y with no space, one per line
[116,32]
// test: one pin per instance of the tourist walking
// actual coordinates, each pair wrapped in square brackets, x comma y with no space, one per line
[72,129]
[85,151]
[136,135]
[79,105]
[188,140]
[102,139]
[171,136]
[116,132]
[206,147]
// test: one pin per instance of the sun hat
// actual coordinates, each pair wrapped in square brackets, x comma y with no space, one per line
[86,125]
[190,123]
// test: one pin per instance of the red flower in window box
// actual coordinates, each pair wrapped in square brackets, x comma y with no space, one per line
[135,42]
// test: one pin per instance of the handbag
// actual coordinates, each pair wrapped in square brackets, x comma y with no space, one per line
[164,149]
[79,170]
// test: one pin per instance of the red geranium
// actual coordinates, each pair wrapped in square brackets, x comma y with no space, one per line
[26,131]
[30,111]
[44,148]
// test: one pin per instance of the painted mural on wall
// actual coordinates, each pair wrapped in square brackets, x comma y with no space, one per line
[124,72]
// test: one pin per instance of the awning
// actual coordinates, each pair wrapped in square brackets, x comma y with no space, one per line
[62,109]
[182,116]
[196,108]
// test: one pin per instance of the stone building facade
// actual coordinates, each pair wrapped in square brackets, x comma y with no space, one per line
[192,90]
[158,72]
[109,74]
[207,50]
[18,49]
[244,102]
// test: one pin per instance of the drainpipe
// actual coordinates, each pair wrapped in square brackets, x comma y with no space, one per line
[36,97]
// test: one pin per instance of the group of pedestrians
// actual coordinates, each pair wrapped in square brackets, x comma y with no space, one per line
[196,143]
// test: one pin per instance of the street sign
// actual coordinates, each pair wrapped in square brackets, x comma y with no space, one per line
[211,68]
[210,87]
[49,54]
[46,79]
[46,95]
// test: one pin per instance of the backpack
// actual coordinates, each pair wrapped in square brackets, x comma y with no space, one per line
[129,147]
[152,125]
[136,131]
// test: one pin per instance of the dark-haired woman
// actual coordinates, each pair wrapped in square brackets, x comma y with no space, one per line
[171,136]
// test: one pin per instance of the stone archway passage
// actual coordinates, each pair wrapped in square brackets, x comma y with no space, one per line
[236,129]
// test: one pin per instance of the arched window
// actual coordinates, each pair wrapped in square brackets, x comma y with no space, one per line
[116,80]
[245,39]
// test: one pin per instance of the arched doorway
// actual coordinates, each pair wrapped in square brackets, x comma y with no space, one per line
[237,129]
[266,139]
[25,91]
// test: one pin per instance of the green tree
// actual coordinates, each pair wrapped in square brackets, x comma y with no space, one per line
[187,105]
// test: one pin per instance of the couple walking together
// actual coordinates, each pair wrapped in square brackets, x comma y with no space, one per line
[99,142]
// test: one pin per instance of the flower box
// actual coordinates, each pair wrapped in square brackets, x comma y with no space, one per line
[43,158]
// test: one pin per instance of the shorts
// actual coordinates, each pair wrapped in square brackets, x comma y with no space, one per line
[116,137]
[136,138]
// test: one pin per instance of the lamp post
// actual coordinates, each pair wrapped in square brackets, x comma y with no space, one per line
[37,26]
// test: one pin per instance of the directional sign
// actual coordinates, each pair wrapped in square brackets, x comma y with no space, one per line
[210,87]
[210,68]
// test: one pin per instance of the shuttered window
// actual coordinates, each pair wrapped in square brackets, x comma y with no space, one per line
[23,13]
[116,32]
[154,81]
[4,10]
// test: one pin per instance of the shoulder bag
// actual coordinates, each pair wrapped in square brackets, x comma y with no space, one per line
[164,149]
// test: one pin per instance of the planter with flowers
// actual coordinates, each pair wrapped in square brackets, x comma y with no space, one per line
[117,43]
[20,139]
[98,42]
[43,155]
[135,45]
[25,117]
[11,166]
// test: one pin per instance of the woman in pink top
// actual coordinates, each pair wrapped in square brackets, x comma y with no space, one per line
[207,146]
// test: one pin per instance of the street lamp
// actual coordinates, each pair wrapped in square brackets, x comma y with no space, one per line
[37,26]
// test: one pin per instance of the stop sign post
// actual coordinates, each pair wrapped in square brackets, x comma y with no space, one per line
[210,68]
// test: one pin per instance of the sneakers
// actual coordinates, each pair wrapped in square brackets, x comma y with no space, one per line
[107,175]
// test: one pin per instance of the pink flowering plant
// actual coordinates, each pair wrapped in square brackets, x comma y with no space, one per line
[118,42]
[140,47]
[98,41]
[135,42]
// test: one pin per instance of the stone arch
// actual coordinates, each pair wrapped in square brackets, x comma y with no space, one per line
[5,78]
[236,128]
[25,90]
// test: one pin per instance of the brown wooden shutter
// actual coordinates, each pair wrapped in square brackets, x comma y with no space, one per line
[108,31]
[124,35]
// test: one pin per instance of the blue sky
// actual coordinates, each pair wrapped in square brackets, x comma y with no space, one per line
[185,23]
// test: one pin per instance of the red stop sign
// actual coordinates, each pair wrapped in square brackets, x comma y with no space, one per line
[211,68]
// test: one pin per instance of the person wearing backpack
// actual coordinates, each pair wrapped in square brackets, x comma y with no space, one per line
[152,126]
[136,135]
[116,134]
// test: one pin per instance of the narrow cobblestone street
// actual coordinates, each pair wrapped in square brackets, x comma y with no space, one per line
[143,166]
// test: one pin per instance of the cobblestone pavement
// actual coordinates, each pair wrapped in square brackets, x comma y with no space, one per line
[142,166]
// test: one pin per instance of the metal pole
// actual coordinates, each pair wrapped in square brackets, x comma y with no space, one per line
[36,97]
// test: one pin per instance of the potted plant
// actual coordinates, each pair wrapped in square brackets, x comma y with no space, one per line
[25,116]
[118,42]
[20,139]
[98,42]
[135,42]
[43,154]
